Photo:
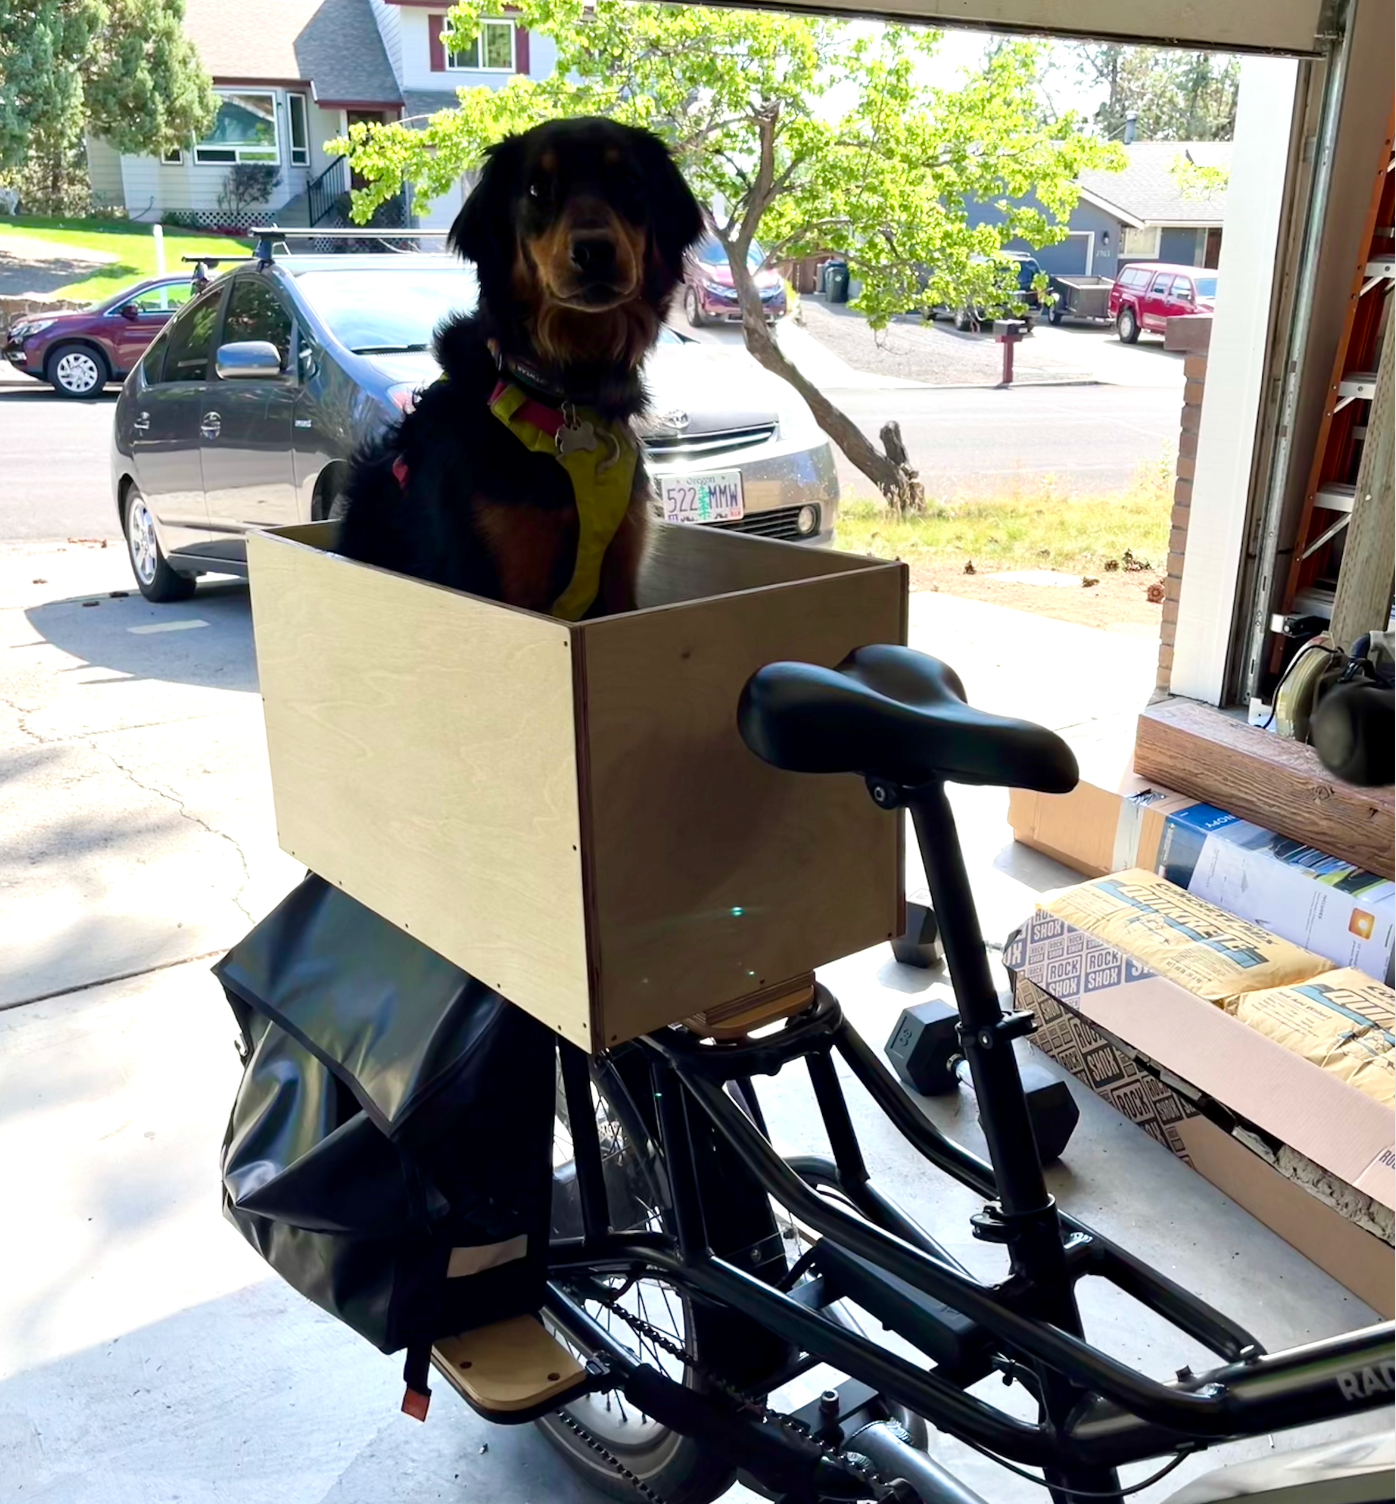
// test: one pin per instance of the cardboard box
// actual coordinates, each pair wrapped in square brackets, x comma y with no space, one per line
[1096,830]
[566,810]
[1259,1081]
[1205,1137]
[1317,901]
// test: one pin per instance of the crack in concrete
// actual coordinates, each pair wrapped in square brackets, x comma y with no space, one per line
[160,793]
[186,813]
[20,720]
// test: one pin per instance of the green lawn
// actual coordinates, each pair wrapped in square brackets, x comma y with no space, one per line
[132,244]
[1035,529]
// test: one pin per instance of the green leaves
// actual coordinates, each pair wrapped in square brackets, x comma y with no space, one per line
[1174,96]
[146,89]
[808,135]
[802,134]
[122,68]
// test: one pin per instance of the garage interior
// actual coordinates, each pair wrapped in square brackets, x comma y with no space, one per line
[175,1369]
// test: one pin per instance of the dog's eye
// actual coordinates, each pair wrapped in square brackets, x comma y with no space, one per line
[538,188]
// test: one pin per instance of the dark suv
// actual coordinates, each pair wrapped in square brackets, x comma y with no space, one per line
[79,352]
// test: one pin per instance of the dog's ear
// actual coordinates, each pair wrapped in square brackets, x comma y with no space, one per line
[676,220]
[484,229]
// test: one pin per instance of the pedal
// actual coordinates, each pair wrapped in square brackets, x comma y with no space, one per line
[508,1366]
[736,1019]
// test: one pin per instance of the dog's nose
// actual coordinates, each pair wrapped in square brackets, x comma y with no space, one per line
[594,255]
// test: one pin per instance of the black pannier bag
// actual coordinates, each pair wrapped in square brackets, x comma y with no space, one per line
[389,1152]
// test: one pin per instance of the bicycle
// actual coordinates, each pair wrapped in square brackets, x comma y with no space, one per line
[694,1271]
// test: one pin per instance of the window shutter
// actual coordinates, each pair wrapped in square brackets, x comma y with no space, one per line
[438,47]
[521,49]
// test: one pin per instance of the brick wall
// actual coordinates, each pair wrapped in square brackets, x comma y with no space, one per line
[1192,336]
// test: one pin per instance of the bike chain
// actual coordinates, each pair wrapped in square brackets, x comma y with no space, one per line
[606,1455]
[643,1328]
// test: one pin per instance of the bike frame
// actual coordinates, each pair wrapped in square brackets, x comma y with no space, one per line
[1095,1413]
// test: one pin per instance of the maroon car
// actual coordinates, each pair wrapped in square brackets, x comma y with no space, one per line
[1147,294]
[77,353]
[708,294]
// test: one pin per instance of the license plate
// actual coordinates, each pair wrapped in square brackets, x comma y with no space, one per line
[703,498]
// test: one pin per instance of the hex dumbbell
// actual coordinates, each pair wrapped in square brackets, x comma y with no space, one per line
[926,1053]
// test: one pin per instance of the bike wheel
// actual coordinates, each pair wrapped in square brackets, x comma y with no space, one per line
[599,1431]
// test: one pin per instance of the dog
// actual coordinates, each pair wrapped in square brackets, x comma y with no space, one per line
[517,475]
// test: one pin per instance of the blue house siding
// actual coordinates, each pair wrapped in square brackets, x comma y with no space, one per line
[1183,245]
[1068,257]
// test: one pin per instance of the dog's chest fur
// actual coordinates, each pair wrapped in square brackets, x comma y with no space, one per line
[480,512]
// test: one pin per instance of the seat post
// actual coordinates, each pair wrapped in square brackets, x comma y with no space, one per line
[986,1033]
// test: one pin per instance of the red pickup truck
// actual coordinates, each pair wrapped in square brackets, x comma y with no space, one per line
[1147,294]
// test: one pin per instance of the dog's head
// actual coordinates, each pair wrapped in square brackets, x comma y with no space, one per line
[578,229]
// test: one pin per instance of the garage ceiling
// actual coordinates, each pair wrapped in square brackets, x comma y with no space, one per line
[1294,27]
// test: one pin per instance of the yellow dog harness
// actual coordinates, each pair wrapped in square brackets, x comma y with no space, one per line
[599,458]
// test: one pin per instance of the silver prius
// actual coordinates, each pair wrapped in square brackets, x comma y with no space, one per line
[211,441]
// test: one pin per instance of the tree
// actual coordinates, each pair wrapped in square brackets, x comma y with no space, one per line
[807,136]
[122,69]
[1176,96]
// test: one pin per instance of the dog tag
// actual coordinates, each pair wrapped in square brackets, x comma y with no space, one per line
[576,436]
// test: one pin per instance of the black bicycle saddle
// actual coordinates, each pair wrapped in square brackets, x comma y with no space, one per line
[893,713]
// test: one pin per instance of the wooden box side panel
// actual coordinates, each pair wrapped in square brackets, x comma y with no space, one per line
[685,563]
[423,757]
[711,874]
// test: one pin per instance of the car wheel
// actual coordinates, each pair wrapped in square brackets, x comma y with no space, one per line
[157,581]
[77,371]
[1127,326]
[1055,315]
[692,308]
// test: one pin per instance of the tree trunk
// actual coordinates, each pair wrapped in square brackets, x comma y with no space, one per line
[889,471]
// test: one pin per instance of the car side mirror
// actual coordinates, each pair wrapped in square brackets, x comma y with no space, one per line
[247,360]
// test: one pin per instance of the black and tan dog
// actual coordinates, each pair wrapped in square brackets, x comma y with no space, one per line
[517,475]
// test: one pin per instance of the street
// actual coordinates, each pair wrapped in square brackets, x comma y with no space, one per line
[976,441]
[965,441]
[54,468]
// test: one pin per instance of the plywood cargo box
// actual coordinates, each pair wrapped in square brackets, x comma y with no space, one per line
[565,809]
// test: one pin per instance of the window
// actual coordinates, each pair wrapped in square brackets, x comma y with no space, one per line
[1162,282]
[173,158]
[255,312]
[191,338]
[1206,287]
[712,253]
[153,361]
[299,130]
[387,308]
[492,51]
[1142,242]
[245,131]
[169,298]
[1182,289]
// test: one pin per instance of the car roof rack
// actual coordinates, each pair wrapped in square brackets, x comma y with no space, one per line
[267,235]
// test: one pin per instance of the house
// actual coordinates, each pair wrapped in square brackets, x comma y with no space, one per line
[291,75]
[1141,213]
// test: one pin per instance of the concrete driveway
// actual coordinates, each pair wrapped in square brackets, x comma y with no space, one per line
[145,1354]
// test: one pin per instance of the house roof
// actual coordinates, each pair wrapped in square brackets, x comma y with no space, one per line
[419,102]
[332,45]
[1148,192]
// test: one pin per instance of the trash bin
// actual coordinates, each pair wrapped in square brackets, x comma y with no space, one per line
[836,282]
